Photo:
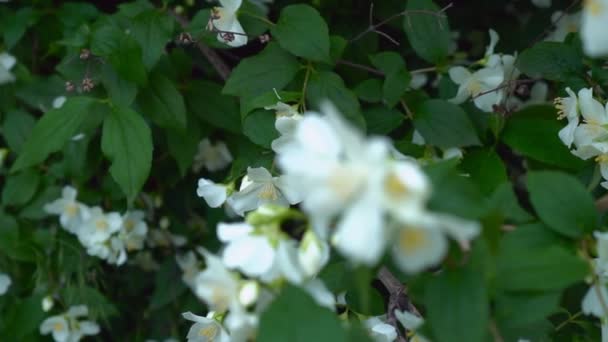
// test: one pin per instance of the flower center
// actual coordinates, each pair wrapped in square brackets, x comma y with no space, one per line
[602,158]
[71,209]
[474,87]
[594,7]
[129,225]
[395,187]
[58,327]
[412,239]
[344,181]
[210,332]
[268,192]
[101,225]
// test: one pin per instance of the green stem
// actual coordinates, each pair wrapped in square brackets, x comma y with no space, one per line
[302,102]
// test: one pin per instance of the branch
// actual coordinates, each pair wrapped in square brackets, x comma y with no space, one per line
[360,66]
[216,61]
[397,300]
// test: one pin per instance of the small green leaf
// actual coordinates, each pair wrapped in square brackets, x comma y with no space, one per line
[16,128]
[562,202]
[206,101]
[121,92]
[428,33]
[485,168]
[271,69]
[444,124]
[152,29]
[382,120]
[302,31]
[550,60]
[504,200]
[127,142]
[163,103]
[326,85]
[369,90]
[20,188]
[258,126]
[52,131]
[388,62]
[294,316]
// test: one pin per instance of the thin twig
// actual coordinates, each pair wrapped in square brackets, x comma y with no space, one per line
[501,86]
[398,300]
[216,61]
[361,67]
[374,27]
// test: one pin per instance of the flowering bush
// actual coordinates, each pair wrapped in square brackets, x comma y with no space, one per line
[269,171]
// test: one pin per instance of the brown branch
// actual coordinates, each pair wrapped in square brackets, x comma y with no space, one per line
[397,300]
[361,67]
[216,61]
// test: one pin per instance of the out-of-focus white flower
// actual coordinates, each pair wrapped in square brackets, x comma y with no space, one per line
[286,122]
[225,20]
[216,285]
[5,283]
[213,157]
[47,303]
[313,253]
[476,83]
[248,251]
[379,330]
[189,264]
[542,3]
[259,188]
[7,62]
[68,327]
[419,80]
[319,292]
[99,227]
[134,230]
[205,329]
[567,107]
[214,194]
[145,260]
[564,24]
[59,101]
[411,322]
[594,302]
[594,24]
[72,214]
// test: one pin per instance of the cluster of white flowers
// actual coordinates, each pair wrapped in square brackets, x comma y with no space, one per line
[361,199]
[105,235]
[5,283]
[588,139]
[213,157]
[262,255]
[224,20]
[68,327]
[489,85]
[595,301]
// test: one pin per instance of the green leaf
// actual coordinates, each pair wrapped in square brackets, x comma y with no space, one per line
[519,309]
[52,131]
[267,99]
[388,62]
[302,31]
[562,202]
[395,86]
[152,29]
[26,317]
[258,126]
[121,92]
[457,305]
[444,124]
[369,90]
[381,120]
[99,306]
[183,147]
[294,316]
[16,128]
[20,188]
[163,103]
[205,100]
[550,60]
[16,25]
[127,142]
[485,168]
[326,85]
[533,132]
[531,259]
[428,33]
[272,68]
[504,200]
[167,288]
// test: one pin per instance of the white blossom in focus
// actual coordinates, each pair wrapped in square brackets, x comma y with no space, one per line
[476,83]
[72,214]
[379,330]
[205,329]
[68,327]
[214,194]
[567,107]
[225,19]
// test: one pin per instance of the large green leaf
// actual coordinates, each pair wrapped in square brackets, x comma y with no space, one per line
[550,60]
[485,168]
[206,101]
[562,202]
[16,128]
[271,69]
[444,124]
[20,188]
[52,131]
[152,29]
[258,126]
[163,103]
[127,142]
[427,32]
[302,31]
[294,316]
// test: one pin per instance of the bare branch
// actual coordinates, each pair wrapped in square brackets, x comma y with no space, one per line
[398,299]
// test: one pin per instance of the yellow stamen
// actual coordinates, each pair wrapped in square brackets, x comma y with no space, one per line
[210,332]
[71,209]
[268,192]
[58,327]
[101,225]
[594,7]
[412,239]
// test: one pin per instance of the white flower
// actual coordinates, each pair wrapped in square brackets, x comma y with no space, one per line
[59,101]
[592,304]
[320,294]
[212,157]
[47,303]
[5,283]
[67,327]
[246,250]
[190,266]
[134,230]
[286,123]
[225,19]
[601,263]
[205,329]
[117,253]
[411,322]
[542,3]
[6,64]
[216,285]
[567,107]
[72,214]
[214,194]
[99,227]
[259,188]
[379,330]
[473,84]
[564,24]
[418,80]
[594,24]
[590,137]
[313,253]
